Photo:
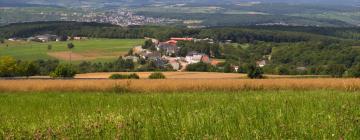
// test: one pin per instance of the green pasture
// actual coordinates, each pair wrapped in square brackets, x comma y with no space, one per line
[102,48]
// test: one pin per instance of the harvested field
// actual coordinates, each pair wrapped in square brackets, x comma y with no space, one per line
[66,56]
[171,75]
[88,55]
[177,85]
[188,75]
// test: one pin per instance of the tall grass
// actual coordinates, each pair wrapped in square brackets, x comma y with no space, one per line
[179,85]
[206,115]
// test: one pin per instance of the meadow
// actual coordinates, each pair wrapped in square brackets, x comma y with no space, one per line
[85,50]
[320,114]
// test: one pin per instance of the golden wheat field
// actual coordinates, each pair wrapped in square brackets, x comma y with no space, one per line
[170,75]
[187,75]
[176,85]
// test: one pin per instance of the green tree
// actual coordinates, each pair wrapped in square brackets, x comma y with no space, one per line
[63,71]
[157,75]
[2,40]
[200,67]
[148,44]
[70,46]
[8,66]
[46,66]
[49,47]
[354,71]
[255,72]
[27,69]
[124,76]
[336,70]
[228,68]
[282,70]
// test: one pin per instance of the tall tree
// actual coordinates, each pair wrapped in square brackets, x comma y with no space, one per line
[28,68]
[70,46]
[8,66]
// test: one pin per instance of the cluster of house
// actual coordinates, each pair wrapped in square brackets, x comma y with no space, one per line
[167,53]
[48,38]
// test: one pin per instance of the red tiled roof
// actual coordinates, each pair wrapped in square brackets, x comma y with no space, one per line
[171,42]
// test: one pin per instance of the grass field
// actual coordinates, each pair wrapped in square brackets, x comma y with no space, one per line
[89,50]
[323,114]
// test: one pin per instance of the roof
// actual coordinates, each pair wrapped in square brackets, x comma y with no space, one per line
[181,39]
[197,57]
[214,62]
[173,42]
[46,36]
[153,54]
[191,53]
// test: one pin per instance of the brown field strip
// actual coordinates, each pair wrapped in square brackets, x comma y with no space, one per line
[178,85]
[170,75]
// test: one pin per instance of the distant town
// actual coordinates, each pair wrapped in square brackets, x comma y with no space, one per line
[121,17]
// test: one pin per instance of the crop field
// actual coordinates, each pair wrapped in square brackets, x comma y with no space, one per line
[321,114]
[170,75]
[190,75]
[179,85]
[85,50]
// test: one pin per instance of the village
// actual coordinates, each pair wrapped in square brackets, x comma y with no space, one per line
[167,53]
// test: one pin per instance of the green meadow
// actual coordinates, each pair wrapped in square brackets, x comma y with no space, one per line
[91,50]
[321,114]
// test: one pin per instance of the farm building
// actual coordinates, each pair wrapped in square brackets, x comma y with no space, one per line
[261,63]
[194,57]
[181,39]
[175,65]
[168,48]
[43,38]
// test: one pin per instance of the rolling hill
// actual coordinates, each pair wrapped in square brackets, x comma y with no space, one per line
[142,2]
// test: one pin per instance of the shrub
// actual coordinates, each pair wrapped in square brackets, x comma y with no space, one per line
[134,76]
[124,76]
[336,70]
[255,72]
[200,67]
[8,66]
[27,69]
[228,68]
[118,76]
[282,70]
[63,71]
[354,71]
[157,75]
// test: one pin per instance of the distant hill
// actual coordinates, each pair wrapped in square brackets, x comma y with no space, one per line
[142,2]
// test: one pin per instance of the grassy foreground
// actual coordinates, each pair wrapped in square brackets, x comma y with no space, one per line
[285,114]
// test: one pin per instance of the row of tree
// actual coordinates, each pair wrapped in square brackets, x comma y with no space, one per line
[235,34]
[10,67]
